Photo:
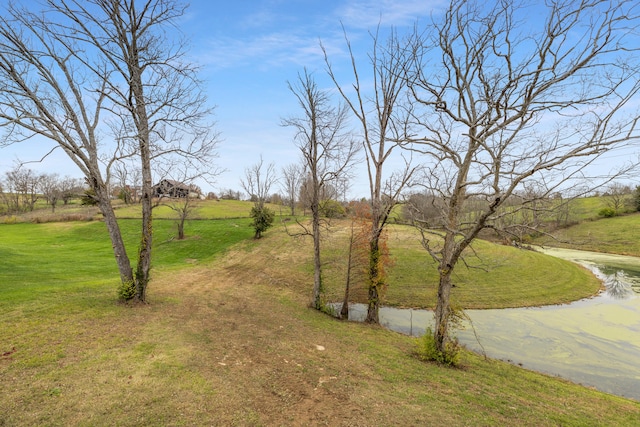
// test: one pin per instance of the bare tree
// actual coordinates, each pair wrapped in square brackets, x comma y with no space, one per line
[126,176]
[292,176]
[22,185]
[70,188]
[618,197]
[81,68]
[383,119]
[504,104]
[327,151]
[49,187]
[257,182]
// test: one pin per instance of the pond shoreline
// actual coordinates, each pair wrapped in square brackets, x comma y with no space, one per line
[592,341]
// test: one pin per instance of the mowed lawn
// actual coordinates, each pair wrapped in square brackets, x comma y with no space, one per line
[227,339]
[618,235]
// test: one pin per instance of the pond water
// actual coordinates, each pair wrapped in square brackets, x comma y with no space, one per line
[594,342]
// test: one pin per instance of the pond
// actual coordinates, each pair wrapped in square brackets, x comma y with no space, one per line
[594,342]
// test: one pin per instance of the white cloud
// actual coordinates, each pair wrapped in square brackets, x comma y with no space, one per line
[367,14]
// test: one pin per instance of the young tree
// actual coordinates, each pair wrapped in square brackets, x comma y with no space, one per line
[383,119]
[257,183]
[80,68]
[327,151]
[505,104]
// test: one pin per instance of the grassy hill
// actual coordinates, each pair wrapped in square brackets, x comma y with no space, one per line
[619,235]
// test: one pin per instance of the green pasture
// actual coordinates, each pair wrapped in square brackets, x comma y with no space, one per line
[70,257]
[490,275]
[618,235]
[199,209]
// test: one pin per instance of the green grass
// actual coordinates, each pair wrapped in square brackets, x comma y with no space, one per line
[490,276]
[619,235]
[227,339]
[75,256]
[202,209]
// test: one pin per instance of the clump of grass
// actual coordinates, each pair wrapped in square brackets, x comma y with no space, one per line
[426,349]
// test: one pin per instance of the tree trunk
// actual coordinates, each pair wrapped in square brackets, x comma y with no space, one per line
[373,298]
[146,239]
[443,309]
[119,250]
[317,265]
[443,306]
[344,311]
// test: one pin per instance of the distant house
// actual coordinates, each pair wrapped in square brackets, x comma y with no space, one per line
[171,188]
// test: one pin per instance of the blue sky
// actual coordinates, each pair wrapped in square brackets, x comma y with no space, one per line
[248,50]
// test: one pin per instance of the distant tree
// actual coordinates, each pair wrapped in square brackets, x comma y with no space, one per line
[292,176]
[127,176]
[257,182]
[617,197]
[22,185]
[49,186]
[70,188]
[328,152]
[636,198]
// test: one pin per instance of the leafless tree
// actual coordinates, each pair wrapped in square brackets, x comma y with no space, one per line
[503,103]
[383,118]
[70,188]
[81,70]
[618,196]
[126,176]
[292,176]
[328,152]
[257,182]
[21,189]
[49,187]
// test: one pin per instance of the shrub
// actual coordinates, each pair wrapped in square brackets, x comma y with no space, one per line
[332,209]
[607,212]
[426,349]
[262,219]
[126,291]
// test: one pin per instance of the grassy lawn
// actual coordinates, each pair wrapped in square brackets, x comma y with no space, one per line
[491,276]
[619,235]
[227,339]
[202,209]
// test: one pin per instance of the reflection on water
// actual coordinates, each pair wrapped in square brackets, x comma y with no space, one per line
[616,282]
[595,342]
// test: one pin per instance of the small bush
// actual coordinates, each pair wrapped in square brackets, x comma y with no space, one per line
[607,212]
[262,219]
[332,209]
[426,350]
[126,291]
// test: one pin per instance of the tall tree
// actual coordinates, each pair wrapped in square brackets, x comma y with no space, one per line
[81,68]
[382,113]
[504,102]
[328,152]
